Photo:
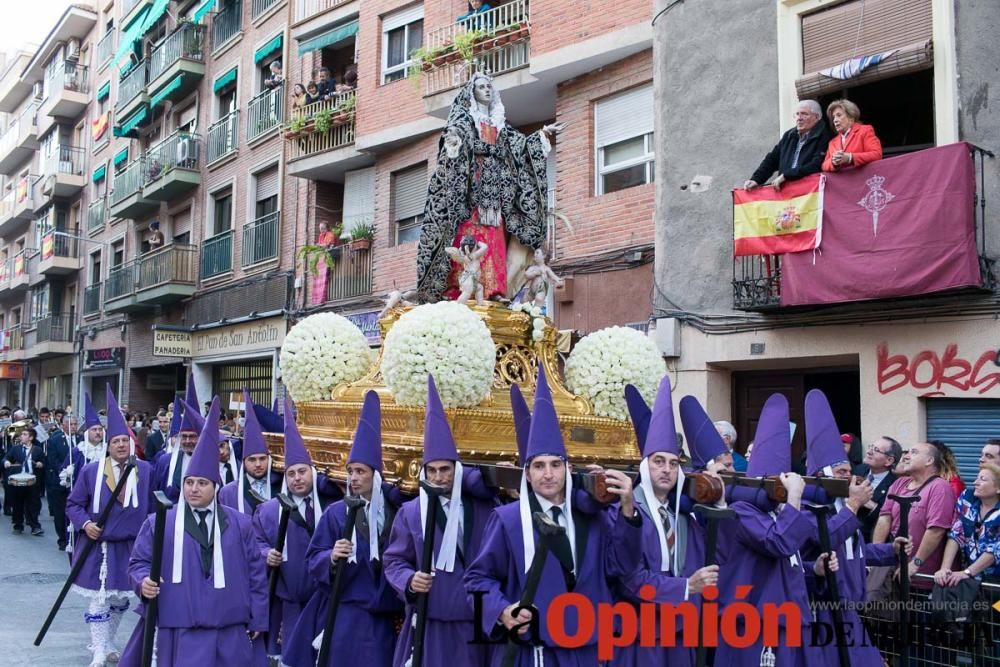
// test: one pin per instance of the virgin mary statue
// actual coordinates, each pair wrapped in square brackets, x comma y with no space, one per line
[489,184]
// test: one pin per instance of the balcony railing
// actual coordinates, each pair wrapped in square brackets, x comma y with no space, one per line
[72,76]
[258,7]
[128,181]
[131,85]
[260,239]
[106,48]
[54,329]
[172,263]
[760,282]
[14,339]
[222,137]
[64,244]
[120,281]
[305,9]
[226,24]
[187,42]
[497,19]
[341,107]
[96,215]
[180,150]
[19,263]
[350,276]
[265,112]
[495,61]
[67,160]
[92,299]
[217,255]
[24,125]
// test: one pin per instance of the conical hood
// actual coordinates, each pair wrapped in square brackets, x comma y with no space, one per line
[90,416]
[295,447]
[116,421]
[253,436]
[662,436]
[367,447]
[522,422]
[640,413]
[175,418]
[703,438]
[823,444]
[270,420]
[205,458]
[439,443]
[772,445]
[192,419]
[191,397]
[544,436]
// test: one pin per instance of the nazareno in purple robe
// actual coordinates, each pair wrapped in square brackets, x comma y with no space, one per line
[851,578]
[162,473]
[198,624]
[365,632]
[119,532]
[610,549]
[449,625]
[295,583]
[758,552]
[670,589]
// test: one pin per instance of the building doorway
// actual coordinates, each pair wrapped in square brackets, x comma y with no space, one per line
[751,389]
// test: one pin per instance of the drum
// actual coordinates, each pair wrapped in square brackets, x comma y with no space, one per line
[22,479]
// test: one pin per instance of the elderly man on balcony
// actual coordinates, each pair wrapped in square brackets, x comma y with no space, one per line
[800,150]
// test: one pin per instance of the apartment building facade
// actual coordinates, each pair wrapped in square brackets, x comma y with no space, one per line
[369,166]
[914,365]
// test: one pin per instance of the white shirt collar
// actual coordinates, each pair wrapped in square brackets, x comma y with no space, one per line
[878,477]
[547,508]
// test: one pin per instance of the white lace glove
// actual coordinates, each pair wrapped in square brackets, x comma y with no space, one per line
[452,145]
[66,476]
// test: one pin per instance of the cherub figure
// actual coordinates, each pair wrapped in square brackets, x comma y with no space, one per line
[539,276]
[469,254]
[397,298]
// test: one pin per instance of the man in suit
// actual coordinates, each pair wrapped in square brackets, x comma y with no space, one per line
[799,152]
[881,457]
[157,438]
[56,456]
[26,456]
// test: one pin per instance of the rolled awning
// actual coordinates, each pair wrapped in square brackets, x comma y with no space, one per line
[204,9]
[164,92]
[131,33]
[104,91]
[268,49]
[99,173]
[156,12]
[132,122]
[224,80]
[120,156]
[338,34]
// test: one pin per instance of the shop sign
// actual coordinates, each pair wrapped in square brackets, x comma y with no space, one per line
[104,357]
[11,371]
[171,343]
[368,323]
[246,337]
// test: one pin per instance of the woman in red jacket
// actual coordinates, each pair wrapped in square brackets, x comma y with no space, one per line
[855,143]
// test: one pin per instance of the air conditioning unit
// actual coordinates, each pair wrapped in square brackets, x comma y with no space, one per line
[73,49]
[187,152]
[36,90]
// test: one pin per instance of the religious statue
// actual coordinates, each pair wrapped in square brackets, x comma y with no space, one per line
[469,254]
[490,184]
[538,277]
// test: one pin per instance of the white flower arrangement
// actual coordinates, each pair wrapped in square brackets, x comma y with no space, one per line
[320,352]
[537,319]
[445,339]
[604,362]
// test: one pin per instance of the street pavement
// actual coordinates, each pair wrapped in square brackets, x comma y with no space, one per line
[32,572]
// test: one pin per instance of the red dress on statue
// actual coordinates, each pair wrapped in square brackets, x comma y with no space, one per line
[493,267]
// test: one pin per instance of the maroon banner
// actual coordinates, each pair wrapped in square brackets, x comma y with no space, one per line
[898,227]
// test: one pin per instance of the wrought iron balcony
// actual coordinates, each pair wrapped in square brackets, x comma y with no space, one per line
[97,215]
[351,275]
[265,112]
[130,88]
[217,255]
[222,137]
[259,7]
[306,9]
[172,166]
[106,48]
[261,239]
[226,24]
[92,300]
[314,137]
[167,274]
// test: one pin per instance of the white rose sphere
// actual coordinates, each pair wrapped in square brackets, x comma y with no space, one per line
[604,362]
[447,339]
[320,352]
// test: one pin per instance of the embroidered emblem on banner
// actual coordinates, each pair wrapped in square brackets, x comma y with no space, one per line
[875,199]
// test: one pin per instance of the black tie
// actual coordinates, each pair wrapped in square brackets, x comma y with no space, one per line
[203,523]
[310,513]
[563,551]
[670,535]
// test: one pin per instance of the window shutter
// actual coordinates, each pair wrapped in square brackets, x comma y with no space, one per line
[409,191]
[359,197]
[829,35]
[402,17]
[623,116]
[267,183]
[180,224]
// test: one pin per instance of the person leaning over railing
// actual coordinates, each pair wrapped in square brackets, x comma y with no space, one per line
[976,532]
[855,143]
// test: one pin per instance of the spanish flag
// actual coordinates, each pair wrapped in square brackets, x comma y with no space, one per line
[100,125]
[773,222]
[48,245]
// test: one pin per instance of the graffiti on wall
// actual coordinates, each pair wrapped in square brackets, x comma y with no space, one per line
[932,373]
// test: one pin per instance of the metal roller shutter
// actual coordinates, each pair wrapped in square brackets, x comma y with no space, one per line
[267,183]
[359,197]
[964,425]
[623,116]
[409,192]
[860,28]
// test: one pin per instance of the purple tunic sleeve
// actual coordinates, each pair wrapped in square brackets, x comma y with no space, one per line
[487,571]
[622,543]
[784,537]
[263,535]
[79,500]
[142,555]
[257,568]
[400,555]
[880,554]
[321,545]
[842,525]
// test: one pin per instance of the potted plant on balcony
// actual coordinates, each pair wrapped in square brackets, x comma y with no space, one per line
[323,120]
[344,113]
[310,256]
[361,237]
[465,43]
[294,127]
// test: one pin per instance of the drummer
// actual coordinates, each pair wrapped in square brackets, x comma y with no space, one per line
[24,466]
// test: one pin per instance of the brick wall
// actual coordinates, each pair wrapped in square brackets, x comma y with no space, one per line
[600,222]
[563,23]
